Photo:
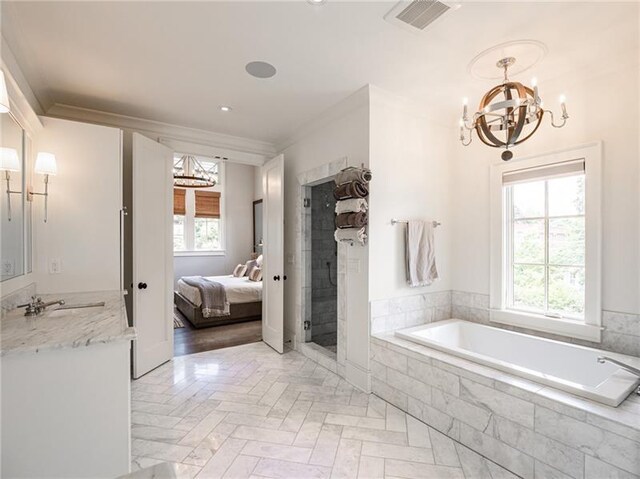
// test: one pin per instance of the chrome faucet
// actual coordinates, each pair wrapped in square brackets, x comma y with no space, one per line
[621,365]
[36,306]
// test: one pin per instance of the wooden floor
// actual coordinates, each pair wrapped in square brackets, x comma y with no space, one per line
[189,340]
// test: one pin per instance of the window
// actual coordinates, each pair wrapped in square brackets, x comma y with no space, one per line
[198,214]
[545,244]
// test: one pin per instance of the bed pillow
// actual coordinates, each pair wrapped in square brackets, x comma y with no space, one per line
[259,260]
[256,274]
[251,264]
[239,271]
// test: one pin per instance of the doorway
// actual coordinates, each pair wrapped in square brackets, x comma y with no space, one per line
[194,255]
[214,253]
[322,326]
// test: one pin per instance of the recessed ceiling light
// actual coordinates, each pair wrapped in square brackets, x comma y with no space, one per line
[260,69]
[316,2]
[225,108]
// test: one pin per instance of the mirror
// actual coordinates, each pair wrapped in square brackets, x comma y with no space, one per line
[257,226]
[14,228]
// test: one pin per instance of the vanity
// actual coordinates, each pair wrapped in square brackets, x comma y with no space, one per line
[65,388]
[65,373]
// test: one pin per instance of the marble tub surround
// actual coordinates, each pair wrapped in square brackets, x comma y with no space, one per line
[408,311]
[67,328]
[532,430]
[11,300]
[621,332]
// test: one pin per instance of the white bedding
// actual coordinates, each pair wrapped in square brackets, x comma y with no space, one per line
[239,290]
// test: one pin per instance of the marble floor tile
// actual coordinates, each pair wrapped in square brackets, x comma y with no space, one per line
[324,452]
[248,412]
[416,470]
[347,459]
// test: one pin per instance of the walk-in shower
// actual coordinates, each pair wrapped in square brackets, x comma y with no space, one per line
[324,267]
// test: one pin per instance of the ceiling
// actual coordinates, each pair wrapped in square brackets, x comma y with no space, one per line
[177,62]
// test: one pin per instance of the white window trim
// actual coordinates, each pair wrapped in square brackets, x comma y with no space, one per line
[189,220]
[591,328]
[217,252]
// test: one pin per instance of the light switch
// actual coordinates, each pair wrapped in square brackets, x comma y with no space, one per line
[55,266]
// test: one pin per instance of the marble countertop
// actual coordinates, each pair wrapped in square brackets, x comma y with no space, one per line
[67,328]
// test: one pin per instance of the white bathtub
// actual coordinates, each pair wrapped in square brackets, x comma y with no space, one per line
[569,367]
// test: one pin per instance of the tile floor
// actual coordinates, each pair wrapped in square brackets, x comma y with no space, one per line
[248,412]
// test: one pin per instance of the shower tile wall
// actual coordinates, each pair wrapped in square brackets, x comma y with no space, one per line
[324,293]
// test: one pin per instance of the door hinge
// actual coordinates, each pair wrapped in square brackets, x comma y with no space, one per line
[307,202]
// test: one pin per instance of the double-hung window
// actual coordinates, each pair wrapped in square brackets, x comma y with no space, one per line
[198,219]
[546,243]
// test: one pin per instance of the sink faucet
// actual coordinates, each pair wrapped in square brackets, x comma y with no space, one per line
[621,365]
[36,306]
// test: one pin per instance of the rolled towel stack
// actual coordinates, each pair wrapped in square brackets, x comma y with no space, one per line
[353,205]
[351,220]
[351,191]
[363,175]
[351,234]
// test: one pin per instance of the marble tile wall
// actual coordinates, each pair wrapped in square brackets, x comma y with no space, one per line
[407,311]
[529,429]
[21,296]
[621,332]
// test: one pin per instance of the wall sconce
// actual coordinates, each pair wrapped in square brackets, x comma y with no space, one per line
[45,165]
[9,162]
[4,96]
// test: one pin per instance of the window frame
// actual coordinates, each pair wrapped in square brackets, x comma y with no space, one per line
[591,327]
[189,218]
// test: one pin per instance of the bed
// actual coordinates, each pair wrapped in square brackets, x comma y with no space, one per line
[243,295]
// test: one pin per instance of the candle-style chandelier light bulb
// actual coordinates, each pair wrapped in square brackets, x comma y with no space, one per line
[510,110]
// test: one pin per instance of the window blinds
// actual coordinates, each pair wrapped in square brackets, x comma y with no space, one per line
[179,207]
[207,204]
[566,168]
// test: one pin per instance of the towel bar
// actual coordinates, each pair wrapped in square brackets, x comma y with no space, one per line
[395,222]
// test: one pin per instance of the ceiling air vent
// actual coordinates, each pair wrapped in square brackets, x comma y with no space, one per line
[417,15]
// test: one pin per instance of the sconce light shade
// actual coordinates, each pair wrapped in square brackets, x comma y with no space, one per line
[4,96]
[46,164]
[9,160]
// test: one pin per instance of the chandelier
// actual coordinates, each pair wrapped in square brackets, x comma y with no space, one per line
[508,115]
[189,172]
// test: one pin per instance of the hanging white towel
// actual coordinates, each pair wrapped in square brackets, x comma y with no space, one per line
[353,205]
[420,254]
[351,234]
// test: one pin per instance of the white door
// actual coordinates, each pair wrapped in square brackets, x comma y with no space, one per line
[152,254]
[273,267]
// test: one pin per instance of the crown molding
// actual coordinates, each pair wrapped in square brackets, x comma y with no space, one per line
[358,99]
[232,156]
[21,97]
[12,47]
[169,133]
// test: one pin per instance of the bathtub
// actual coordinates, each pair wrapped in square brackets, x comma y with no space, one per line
[564,366]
